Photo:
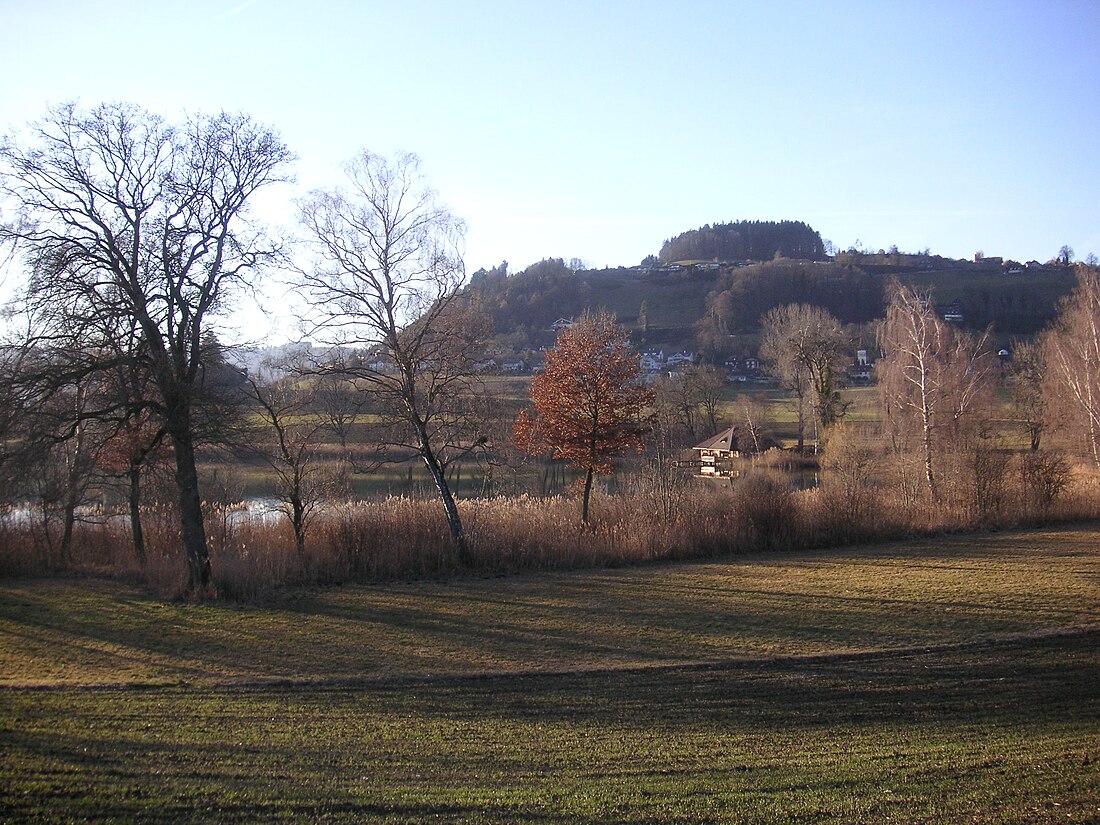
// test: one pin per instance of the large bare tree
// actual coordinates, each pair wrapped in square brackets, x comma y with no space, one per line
[128,222]
[387,281]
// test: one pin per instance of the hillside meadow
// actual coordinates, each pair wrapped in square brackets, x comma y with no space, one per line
[941,679]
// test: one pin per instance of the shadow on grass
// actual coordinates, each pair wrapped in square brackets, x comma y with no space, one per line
[606,745]
[953,589]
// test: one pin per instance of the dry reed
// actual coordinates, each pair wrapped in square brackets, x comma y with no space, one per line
[407,538]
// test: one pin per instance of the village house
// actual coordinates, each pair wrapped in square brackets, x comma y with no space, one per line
[862,370]
[652,361]
[953,312]
[740,370]
[682,357]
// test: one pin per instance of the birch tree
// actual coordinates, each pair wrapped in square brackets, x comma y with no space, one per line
[1071,350]
[931,376]
[387,281]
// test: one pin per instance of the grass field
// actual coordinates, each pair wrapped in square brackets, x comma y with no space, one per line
[930,681]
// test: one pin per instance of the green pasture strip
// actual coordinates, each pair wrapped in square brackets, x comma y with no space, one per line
[1004,732]
[926,592]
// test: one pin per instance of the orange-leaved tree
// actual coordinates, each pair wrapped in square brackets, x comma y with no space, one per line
[587,404]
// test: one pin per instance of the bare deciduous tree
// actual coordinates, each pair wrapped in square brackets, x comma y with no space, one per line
[1026,377]
[338,401]
[805,347]
[50,448]
[1071,351]
[848,476]
[675,414]
[288,445]
[65,447]
[131,450]
[387,282]
[127,221]
[661,475]
[10,414]
[931,377]
[705,386]
[753,415]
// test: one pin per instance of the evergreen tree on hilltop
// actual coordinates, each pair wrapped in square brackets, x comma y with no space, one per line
[745,241]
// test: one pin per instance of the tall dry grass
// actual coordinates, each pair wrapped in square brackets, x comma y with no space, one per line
[407,538]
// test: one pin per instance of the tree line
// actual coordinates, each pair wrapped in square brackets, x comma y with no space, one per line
[939,386]
[745,241]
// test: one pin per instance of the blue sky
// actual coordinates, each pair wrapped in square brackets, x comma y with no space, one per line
[596,130]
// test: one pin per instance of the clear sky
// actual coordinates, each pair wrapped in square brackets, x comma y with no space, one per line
[596,130]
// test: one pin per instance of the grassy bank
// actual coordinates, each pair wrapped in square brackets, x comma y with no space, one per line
[940,680]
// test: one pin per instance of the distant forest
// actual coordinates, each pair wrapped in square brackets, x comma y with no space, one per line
[745,241]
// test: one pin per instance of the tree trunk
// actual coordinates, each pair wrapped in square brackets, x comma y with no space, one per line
[45,545]
[449,506]
[801,422]
[75,473]
[191,524]
[926,419]
[298,519]
[587,494]
[1094,438]
[930,476]
[134,477]
[68,522]
[1036,433]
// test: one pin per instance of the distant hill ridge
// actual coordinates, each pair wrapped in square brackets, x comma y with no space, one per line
[711,285]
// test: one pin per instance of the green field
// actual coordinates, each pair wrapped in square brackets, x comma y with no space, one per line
[929,681]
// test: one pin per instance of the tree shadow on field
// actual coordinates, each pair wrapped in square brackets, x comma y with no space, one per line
[1029,680]
[858,599]
[493,748]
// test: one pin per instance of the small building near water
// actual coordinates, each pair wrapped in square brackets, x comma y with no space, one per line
[716,455]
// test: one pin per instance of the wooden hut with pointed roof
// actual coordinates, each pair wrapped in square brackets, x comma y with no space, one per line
[715,456]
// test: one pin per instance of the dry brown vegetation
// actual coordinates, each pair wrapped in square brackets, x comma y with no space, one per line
[407,537]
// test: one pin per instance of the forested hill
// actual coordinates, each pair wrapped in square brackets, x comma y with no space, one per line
[707,306]
[745,241]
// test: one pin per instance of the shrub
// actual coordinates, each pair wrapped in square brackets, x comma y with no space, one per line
[990,479]
[765,517]
[848,485]
[1044,478]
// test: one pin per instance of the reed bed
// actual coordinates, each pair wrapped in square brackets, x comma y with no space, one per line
[405,538]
